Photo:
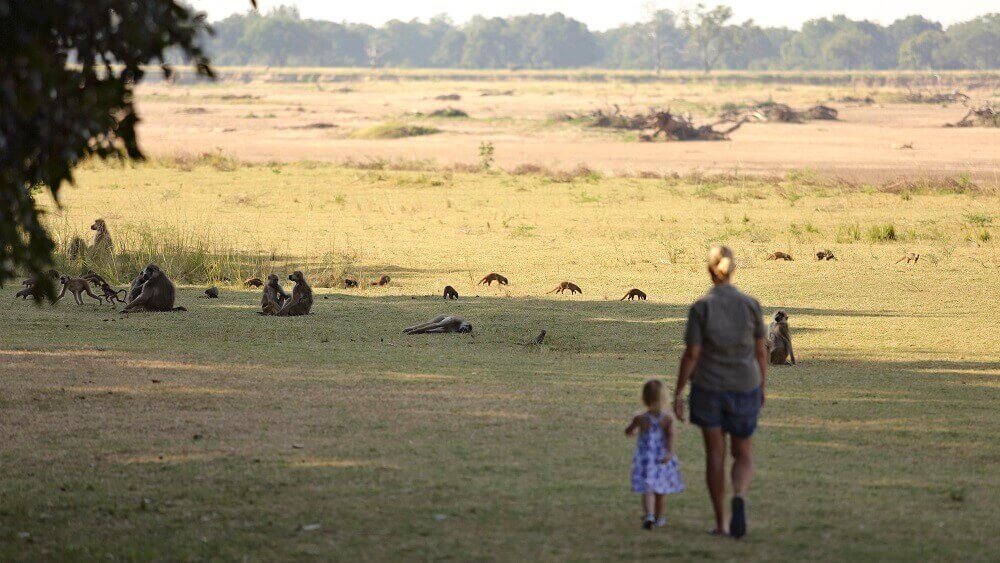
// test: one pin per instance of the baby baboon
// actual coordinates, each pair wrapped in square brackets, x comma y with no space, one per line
[301,300]
[382,280]
[274,296]
[350,282]
[212,292]
[94,278]
[440,324]
[910,257]
[825,255]
[777,255]
[779,341]
[494,277]
[154,292]
[28,291]
[634,293]
[109,293]
[572,287]
[450,293]
[102,238]
[76,286]
[254,282]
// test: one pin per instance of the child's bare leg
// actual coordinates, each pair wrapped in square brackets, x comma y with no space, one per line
[648,502]
[659,506]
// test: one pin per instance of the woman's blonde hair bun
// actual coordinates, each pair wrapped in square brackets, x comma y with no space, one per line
[721,261]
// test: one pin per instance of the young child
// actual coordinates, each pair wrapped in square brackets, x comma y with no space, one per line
[655,471]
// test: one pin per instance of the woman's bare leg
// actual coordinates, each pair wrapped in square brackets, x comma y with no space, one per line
[715,474]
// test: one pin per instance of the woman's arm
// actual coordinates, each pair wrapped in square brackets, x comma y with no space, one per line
[688,360]
[762,362]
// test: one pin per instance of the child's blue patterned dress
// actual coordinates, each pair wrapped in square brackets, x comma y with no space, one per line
[648,474]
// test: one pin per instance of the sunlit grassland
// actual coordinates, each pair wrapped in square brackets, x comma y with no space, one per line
[880,445]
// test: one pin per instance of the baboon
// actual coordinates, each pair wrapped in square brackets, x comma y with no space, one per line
[538,340]
[634,293]
[382,280]
[910,257]
[777,255]
[253,282]
[28,291]
[76,286]
[825,255]
[212,292]
[155,292]
[301,300]
[494,277]
[779,341]
[450,293]
[440,324]
[350,282]
[94,278]
[102,238]
[274,296]
[572,287]
[109,293]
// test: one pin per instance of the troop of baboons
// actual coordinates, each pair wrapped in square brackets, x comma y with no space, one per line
[152,290]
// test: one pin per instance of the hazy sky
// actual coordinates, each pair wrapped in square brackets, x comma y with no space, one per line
[602,14]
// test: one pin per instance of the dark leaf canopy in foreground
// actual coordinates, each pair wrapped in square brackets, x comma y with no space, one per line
[67,73]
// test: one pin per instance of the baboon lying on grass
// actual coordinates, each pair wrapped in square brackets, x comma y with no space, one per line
[779,256]
[350,282]
[253,282]
[212,292]
[382,280]
[493,277]
[634,293]
[440,324]
[825,255]
[572,287]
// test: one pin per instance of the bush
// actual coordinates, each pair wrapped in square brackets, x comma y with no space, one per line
[885,232]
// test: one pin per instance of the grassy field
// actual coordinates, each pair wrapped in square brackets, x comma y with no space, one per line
[217,433]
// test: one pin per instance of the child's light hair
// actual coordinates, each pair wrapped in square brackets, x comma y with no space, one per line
[654,394]
[721,262]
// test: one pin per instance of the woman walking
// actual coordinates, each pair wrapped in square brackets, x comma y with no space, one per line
[725,360]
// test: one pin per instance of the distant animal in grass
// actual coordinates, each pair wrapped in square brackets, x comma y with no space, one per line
[779,341]
[274,296]
[152,291]
[634,293]
[488,279]
[778,255]
[910,257]
[212,292]
[254,282]
[382,280]
[350,282]
[450,293]
[538,340]
[825,255]
[567,286]
[301,300]
[76,286]
[102,238]
[440,325]
[29,283]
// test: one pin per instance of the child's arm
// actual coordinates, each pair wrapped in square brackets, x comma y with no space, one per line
[668,437]
[630,429]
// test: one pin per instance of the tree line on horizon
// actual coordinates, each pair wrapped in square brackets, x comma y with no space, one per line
[700,38]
